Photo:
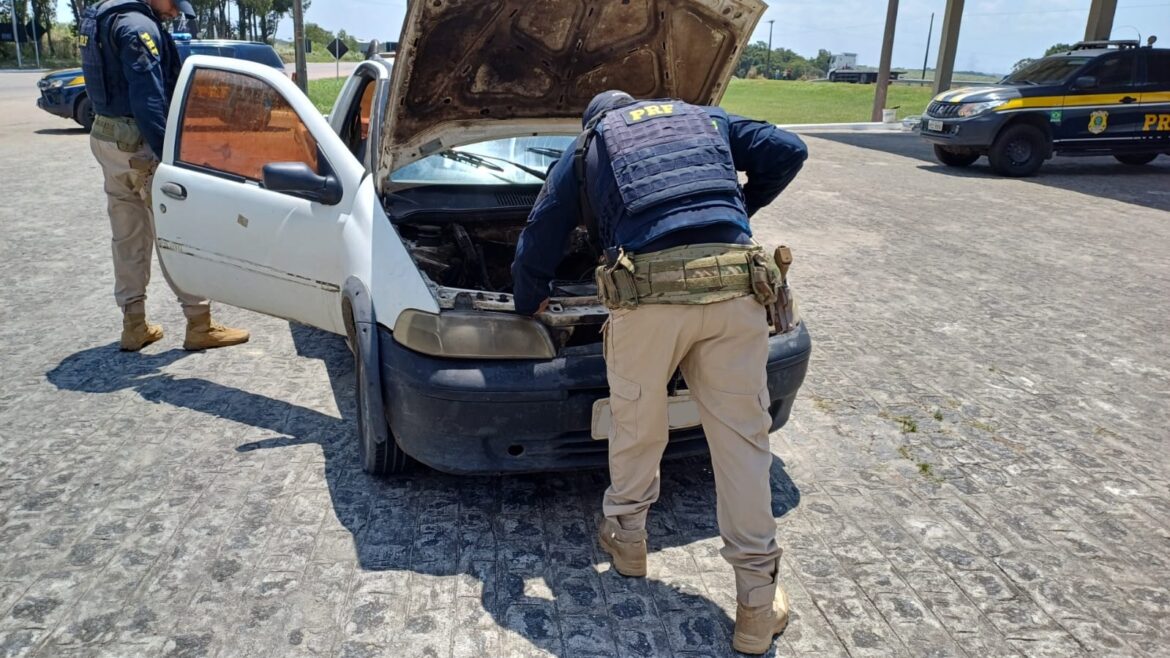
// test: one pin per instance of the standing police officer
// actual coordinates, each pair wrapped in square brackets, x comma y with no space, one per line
[656,183]
[131,66]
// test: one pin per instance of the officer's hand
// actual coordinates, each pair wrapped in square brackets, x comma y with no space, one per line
[541,309]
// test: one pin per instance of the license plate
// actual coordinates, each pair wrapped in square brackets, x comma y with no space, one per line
[934,126]
[681,413]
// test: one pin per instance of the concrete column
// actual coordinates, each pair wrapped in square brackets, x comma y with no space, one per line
[1100,25]
[883,81]
[945,69]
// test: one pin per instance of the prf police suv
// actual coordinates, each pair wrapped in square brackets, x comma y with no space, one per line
[1100,98]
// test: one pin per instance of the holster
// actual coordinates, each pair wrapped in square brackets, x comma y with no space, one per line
[122,131]
[615,282]
[781,314]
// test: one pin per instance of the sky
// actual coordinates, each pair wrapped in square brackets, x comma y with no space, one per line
[995,34]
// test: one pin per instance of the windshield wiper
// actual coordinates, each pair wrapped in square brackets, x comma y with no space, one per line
[470,159]
[477,160]
[546,152]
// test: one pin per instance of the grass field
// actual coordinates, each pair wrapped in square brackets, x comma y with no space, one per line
[324,91]
[781,101]
[777,101]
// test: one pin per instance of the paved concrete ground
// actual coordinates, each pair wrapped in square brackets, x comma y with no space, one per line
[977,465]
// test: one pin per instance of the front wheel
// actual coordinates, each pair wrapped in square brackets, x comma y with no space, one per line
[1019,151]
[953,157]
[380,454]
[1136,159]
[83,115]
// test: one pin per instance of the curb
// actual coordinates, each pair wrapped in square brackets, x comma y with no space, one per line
[897,127]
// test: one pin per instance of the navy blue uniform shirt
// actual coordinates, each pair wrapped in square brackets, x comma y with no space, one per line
[770,157]
[141,72]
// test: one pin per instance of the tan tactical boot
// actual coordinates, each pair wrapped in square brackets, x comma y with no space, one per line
[755,626]
[136,333]
[204,334]
[626,547]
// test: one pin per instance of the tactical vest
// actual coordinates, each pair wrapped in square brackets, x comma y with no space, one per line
[98,49]
[664,155]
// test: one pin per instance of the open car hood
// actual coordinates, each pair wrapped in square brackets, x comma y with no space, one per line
[473,70]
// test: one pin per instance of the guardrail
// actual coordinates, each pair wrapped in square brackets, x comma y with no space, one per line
[954,84]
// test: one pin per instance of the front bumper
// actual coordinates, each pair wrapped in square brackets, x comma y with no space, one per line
[464,416]
[976,132]
[55,102]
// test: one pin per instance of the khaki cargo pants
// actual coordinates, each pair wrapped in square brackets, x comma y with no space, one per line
[722,349]
[132,221]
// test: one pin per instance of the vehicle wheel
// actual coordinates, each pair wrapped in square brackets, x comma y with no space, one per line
[84,113]
[1018,151]
[952,157]
[378,458]
[1136,158]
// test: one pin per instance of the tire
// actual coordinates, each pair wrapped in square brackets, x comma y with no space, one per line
[382,457]
[1136,159]
[83,113]
[955,157]
[1019,151]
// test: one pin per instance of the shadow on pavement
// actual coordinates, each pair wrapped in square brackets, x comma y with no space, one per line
[1104,177]
[527,541]
[62,131]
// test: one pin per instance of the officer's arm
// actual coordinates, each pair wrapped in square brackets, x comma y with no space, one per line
[545,239]
[138,47]
[771,157]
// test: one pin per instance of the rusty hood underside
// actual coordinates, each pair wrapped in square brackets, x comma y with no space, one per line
[471,70]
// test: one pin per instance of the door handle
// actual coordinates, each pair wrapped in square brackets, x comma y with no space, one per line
[174,190]
[1128,99]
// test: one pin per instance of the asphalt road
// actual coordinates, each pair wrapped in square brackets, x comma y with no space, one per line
[318,70]
[977,465]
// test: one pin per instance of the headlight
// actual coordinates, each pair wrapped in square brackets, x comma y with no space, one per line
[466,335]
[975,109]
[56,84]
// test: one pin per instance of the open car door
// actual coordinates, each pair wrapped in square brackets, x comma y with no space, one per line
[253,192]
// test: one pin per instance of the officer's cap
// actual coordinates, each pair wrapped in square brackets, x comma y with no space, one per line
[604,102]
[185,7]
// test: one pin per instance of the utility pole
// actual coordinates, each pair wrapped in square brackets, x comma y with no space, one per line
[768,65]
[16,35]
[929,34]
[36,39]
[299,45]
[883,82]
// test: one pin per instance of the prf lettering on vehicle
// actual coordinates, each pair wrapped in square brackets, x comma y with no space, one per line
[649,112]
[1158,122]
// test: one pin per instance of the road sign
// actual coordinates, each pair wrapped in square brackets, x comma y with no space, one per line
[337,48]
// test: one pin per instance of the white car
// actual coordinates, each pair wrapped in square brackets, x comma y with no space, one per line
[394,222]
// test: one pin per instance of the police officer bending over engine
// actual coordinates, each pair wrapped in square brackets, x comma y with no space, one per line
[656,183]
[131,66]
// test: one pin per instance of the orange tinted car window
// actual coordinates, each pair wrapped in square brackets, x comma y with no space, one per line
[236,124]
[367,108]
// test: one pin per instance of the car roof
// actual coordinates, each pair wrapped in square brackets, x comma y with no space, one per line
[224,42]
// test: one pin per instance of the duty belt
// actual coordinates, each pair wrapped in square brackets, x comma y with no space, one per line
[701,274]
[122,131]
[692,274]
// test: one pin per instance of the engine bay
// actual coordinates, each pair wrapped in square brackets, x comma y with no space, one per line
[468,263]
[478,256]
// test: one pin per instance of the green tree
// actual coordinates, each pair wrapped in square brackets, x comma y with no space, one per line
[1058,48]
[821,63]
[317,34]
[1022,63]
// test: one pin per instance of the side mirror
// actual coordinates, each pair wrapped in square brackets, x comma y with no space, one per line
[297,179]
[1086,82]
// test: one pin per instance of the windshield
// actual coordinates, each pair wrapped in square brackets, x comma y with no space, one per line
[260,54]
[499,162]
[1047,71]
